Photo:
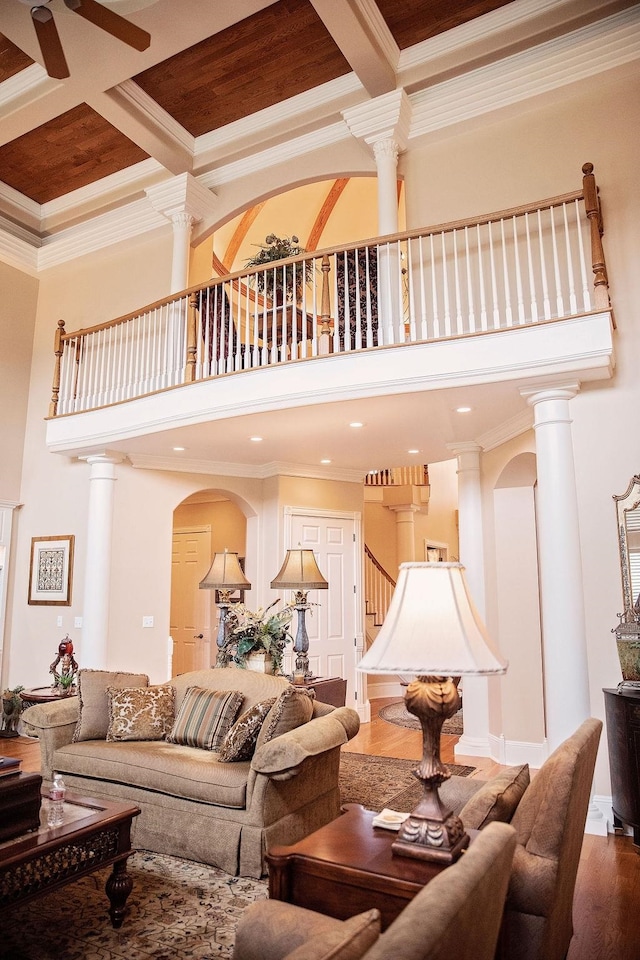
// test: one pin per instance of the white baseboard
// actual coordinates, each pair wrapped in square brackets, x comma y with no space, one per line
[364,712]
[472,747]
[599,816]
[384,688]
[511,753]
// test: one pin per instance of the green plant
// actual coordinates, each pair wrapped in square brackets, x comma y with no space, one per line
[66,680]
[289,278]
[257,632]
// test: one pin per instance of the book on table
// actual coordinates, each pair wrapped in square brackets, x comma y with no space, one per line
[9,765]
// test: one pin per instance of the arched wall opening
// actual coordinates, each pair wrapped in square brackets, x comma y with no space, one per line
[518,615]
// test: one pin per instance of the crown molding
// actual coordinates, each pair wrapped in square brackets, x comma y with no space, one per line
[509,430]
[248,471]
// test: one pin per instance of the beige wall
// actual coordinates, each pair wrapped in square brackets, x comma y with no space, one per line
[17,321]
[227,521]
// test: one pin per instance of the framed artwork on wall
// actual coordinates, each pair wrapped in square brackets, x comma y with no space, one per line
[51,571]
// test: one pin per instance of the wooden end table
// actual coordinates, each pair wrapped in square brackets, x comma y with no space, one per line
[95,834]
[332,690]
[347,867]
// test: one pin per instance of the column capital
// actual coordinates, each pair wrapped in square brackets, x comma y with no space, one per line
[386,118]
[560,390]
[183,196]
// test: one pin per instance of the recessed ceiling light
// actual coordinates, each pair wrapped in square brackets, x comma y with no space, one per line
[356,423]
[325,461]
[178,449]
[463,409]
[413,451]
[256,439]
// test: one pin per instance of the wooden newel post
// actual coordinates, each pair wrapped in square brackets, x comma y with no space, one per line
[594,214]
[191,340]
[58,349]
[325,309]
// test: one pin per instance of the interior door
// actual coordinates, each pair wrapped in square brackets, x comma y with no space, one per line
[190,606]
[332,624]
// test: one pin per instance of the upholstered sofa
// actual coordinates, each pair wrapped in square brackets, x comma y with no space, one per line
[193,804]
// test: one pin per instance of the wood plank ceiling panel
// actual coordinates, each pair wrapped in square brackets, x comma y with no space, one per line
[277,53]
[412,21]
[70,151]
[12,59]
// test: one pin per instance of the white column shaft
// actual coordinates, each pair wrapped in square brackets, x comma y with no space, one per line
[386,156]
[95,620]
[566,679]
[182,225]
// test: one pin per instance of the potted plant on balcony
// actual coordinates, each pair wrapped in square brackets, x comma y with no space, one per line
[256,640]
[281,283]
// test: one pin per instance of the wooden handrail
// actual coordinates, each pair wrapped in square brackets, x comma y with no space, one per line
[379,567]
[594,214]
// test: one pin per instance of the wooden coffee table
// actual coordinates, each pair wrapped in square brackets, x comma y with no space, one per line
[347,867]
[95,834]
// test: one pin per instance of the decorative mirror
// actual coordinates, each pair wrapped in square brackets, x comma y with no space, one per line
[628,630]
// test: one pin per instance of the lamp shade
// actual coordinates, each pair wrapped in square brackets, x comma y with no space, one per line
[432,627]
[299,572]
[225,573]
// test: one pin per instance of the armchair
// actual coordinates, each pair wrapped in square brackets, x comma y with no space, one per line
[457,914]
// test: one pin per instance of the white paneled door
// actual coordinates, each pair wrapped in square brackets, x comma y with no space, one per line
[333,625]
[190,606]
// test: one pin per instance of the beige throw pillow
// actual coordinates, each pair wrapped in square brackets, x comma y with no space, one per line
[497,799]
[292,708]
[350,942]
[205,717]
[93,718]
[140,713]
[240,742]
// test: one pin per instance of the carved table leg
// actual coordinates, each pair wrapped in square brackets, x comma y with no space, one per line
[118,887]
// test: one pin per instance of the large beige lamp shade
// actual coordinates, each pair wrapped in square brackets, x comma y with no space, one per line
[433,630]
[224,575]
[300,572]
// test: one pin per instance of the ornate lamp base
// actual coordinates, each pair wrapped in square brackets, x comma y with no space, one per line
[432,832]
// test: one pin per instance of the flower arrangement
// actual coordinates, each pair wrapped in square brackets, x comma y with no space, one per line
[259,631]
[288,279]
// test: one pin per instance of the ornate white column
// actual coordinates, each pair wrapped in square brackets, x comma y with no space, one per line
[183,201]
[386,151]
[97,574]
[566,678]
[475,698]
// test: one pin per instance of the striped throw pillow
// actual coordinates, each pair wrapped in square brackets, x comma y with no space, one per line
[205,717]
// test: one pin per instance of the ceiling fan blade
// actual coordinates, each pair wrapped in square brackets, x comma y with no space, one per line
[112,22]
[49,40]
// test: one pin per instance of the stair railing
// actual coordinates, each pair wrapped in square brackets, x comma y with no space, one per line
[379,587]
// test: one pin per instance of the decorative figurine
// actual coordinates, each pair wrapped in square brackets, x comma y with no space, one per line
[65,677]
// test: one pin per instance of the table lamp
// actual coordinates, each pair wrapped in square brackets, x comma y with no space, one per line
[224,575]
[300,572]
[432,630]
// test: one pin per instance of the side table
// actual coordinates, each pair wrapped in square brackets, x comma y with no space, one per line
[45,695]
[331,690]
[347,867]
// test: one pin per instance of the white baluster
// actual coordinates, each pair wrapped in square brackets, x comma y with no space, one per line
[412,297]
[507,286]
[556,265]
[483,297]
[586,293]
[424,330]
[532,279]
[471,313]
[445,288]
[494,282]
[434,292]
[456,274]
[543,272]
[516,250]
[573,302]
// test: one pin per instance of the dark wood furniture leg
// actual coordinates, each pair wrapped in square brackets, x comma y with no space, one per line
[118,887]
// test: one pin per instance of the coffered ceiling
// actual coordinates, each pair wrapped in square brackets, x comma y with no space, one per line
[220,81]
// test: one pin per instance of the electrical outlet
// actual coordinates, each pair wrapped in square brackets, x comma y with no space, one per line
[58,621]
[77,622]
[147,621]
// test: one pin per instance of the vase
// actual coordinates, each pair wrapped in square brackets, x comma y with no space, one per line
[259,662]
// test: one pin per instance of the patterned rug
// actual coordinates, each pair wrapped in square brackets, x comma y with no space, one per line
[398,714]
[178,909]
[378,782]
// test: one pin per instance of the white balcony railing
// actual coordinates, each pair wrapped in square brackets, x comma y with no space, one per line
[516,267]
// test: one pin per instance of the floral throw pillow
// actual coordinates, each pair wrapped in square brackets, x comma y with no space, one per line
[205,716]
[93,718]
[240,742]
[140,713]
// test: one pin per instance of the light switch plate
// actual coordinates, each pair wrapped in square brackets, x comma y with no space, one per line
[77,622]
[147,621]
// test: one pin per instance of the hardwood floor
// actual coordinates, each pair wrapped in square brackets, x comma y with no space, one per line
[607,892]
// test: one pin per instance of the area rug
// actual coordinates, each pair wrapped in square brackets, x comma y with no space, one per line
[398,714]
[177,909]
[378,782]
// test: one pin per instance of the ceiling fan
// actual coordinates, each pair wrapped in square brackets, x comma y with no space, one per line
[52,53]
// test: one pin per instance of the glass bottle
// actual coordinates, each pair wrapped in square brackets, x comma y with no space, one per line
[55,811]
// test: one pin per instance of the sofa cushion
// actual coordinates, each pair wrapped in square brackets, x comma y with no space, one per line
[93,719]
[240,741]
[157,766]
[350,941]
[205,717]
[292,708]
[497,799]
[140,713]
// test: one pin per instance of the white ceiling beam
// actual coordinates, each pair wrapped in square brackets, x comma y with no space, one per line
[365,41]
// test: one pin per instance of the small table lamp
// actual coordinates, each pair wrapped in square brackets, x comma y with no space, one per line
[300,572]
[432,629]
[224,575]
